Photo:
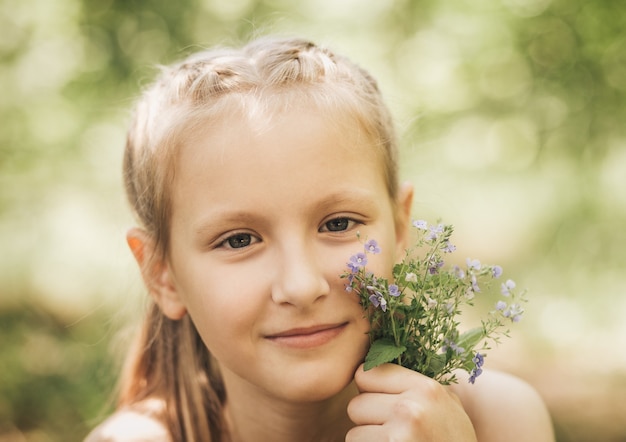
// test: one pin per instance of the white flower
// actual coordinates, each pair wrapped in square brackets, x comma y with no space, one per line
[410,277]
[431,303]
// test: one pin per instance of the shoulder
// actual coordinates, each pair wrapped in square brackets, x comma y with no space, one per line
[129,425]
[504,407]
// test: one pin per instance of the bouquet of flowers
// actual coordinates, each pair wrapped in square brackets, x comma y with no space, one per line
[414,318]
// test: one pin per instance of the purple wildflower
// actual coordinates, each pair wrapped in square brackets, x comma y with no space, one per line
[393,290]
[500,305]
[435,266]
[507,287]
[496,271]
[514,312]
[350,277]
[475,286]
[474,374]
[420,224]
[479,361]
[435,231]
[377,300]
[372,247]
[473,264]
[460,273]
[374,300]
[357,262]
[453,346]
[448,247]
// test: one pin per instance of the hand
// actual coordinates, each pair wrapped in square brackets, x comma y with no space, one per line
[398,404]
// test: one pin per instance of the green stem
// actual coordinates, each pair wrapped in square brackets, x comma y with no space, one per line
[396,339]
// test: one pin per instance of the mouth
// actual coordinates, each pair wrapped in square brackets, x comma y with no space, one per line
[308,337]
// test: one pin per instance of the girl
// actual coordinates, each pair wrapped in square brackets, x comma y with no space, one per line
[251,172]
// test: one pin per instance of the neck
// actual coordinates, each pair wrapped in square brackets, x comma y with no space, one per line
[257,417]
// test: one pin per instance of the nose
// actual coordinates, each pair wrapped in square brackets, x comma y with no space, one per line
[299,277]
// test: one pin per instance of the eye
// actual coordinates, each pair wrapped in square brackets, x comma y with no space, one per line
[238,241]
[337,225]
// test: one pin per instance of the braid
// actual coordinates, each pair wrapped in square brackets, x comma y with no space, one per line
[207,75]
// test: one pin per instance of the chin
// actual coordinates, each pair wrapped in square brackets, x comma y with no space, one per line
[323,390]
[315,383]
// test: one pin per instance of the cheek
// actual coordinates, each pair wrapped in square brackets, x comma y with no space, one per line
[226,324]
[382,263]
[223,302]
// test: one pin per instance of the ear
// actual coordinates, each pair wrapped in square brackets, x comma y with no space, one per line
[157,274]
[404,203]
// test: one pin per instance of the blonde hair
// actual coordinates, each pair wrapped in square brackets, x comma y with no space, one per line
[169,360]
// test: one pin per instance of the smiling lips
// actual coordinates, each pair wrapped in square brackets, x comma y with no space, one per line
[309,337]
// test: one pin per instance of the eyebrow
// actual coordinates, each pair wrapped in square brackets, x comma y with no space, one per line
[350,197]
[223,217]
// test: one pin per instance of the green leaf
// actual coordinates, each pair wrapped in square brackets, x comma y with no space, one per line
[470,338]
[381,352]
[436,365]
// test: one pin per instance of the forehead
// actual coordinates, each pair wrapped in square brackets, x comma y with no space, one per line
[254,115]
[280,132]
[247,150]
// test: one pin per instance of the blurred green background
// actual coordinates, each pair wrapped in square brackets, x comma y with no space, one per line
[512,115]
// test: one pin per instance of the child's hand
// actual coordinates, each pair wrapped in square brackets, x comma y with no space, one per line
[402,405]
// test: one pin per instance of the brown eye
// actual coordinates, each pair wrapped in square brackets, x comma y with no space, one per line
[239,240]
[337,224]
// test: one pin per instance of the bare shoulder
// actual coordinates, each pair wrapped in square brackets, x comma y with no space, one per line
[504,407]
[129,425]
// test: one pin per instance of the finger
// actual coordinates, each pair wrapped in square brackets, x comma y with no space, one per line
[392,379]
[366,433]
[378,433]
[371,408]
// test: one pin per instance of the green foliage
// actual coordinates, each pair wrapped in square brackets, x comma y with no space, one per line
[415,316]
[56,378]
[526,93]
[382,351]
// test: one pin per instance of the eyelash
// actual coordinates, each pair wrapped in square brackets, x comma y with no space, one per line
[227,244]
[249,239]
[350,223]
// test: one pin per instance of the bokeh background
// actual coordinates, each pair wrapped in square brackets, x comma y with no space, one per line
[512,115]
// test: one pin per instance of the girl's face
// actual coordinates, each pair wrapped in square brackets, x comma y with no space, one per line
[265,218]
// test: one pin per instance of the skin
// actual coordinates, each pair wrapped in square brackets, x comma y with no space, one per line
[265,216]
